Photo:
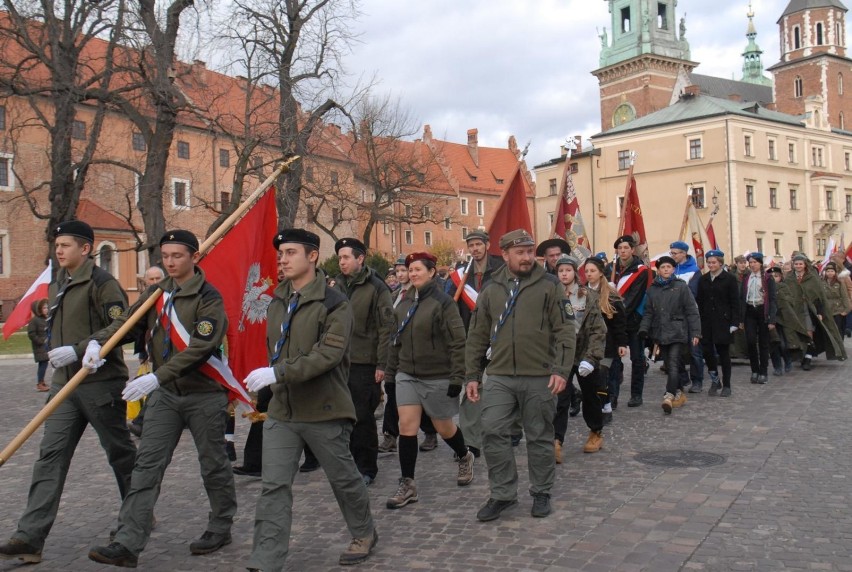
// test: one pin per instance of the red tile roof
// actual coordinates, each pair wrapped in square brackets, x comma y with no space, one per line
[100,218]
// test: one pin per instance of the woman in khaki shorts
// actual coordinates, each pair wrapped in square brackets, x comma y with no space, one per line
[426,359]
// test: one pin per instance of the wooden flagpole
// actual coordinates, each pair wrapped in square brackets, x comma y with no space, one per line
[624,208]
[108,346]
[562,191]
[685,223]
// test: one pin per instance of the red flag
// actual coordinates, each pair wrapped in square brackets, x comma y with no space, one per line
[569,222]
[697,234]
[632,221]
[20,316]
[511,214]
[243,268]
[711,235]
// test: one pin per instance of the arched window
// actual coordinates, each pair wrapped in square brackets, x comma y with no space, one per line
[819,33]
[839,84]
[842,121]
[838,34]
[106,258]
[797,86]
[797,38]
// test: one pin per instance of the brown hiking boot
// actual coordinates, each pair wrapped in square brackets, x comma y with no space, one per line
[668,403]
[17,548]
[557,451]
[405,493]
[388,444]
[594,443]
[679,400]
[465,470]
[430,442]
[42,386]
[359,549]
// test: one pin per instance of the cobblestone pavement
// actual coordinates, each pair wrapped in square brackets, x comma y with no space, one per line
[780,501]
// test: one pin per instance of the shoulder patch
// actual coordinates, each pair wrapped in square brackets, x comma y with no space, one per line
[567,308]
[335,341]
[205,328]
[114,310]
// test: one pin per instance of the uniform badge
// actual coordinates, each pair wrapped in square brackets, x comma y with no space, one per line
[114,310]
[568,309]
[205,328]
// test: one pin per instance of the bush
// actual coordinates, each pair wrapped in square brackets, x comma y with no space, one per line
[331,266]
[375,260]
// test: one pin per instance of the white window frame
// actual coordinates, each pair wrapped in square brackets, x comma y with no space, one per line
[409,237]
[427,238]
[111,245]
[772,148]
[689,140]
[480,207]
[703,194]
[11,172]
[463,206]
[188,193]
[6,269]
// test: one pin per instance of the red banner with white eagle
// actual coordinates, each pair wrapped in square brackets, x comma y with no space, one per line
[242,267]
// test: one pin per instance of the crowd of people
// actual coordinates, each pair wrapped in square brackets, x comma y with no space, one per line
[498,345]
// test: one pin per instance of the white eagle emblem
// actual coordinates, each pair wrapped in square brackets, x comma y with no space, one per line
[255,299]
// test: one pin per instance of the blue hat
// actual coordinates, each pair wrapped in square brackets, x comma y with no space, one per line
[756,255]
[680,245]
[601,255]
[714,254]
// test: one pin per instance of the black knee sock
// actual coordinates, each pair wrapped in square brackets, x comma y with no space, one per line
[456,443]
[407,455]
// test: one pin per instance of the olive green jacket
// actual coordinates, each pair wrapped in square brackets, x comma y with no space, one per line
[313,367]
[92,300]
[591,331]
[537,339]
[432,344]
[372,309]
[836,296]
[199,308]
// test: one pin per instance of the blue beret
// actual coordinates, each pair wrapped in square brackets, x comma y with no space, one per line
[601,255]
[680,245]
[756,255]
[714,254]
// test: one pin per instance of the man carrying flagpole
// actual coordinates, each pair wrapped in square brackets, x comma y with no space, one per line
[187,389]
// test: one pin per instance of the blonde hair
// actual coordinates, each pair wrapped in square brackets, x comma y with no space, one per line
[605,293]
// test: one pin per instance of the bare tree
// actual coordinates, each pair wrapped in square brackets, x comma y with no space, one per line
[301,42]
[49,61]
[400,179]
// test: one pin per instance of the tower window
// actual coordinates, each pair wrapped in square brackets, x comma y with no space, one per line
[625,19]
[840,84]
[797,86]
[842,123]
[662,17]
[797,38]
[819,33]
[838,34]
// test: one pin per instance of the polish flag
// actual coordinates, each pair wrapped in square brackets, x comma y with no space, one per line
[21,314]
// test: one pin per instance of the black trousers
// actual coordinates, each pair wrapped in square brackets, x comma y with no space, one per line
[757,338]
[390,421]
[673,357]
[366,394]
[724,352]
[590,387]
[253,450]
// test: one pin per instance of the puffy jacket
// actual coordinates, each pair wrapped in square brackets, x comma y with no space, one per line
[671,315]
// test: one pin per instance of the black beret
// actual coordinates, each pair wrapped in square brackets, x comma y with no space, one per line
[666,260]
[356,245]
[550,243]
[776,270]
[626,238]
[183,237]
[75,228]
[297,235]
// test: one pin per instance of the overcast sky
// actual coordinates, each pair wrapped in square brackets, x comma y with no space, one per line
[522,67]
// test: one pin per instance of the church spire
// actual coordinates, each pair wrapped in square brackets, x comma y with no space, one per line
[752,64]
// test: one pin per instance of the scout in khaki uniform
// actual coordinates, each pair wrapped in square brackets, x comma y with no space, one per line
[526,325]
[309,327]
[187,326]
[83,299]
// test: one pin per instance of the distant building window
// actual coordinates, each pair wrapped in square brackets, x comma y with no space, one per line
[309,174]
[480,208]
[747,146]
[662,17]
[6,172]
[838,34]
[427,212]
[183,149]
[224,158]
[464,233]
[797,38]
[777,242]
[759,244]
[180,193]
[224,199]
[427,238]
[829,199]
[773,198]
[4,249]
[409,237]
[697,196]
[623,160]
[619,205]
[819,39]
[817,158]
[848,204]
[448,225]
[385,227]
[847,160]
[552,187]
[335,178]
[801,243]
[839,84]
[105,257]
[842,122]
[820,245]
[2,117]
[464,206]
[78,130]
[138,141]
[574,168]
[695,148]
[773,154]
[797,86]
[749,195]
[409,210]
[625,20]
[794,200]
[791,152]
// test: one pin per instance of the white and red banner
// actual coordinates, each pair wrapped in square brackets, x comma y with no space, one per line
[469,294]
[568,222]
[242,267]
[20,316]
[697,235]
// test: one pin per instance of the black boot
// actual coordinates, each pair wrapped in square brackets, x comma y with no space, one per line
[115,555]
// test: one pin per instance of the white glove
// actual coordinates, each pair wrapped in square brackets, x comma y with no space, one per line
[734,329]
[585,368]
[62,356]
[92,357]
[140,387]
[260,378]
